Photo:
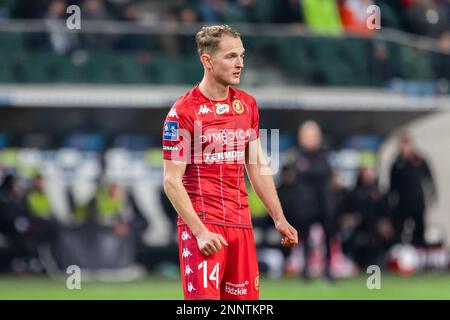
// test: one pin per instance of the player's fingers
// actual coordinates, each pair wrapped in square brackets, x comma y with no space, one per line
[217,243]
[285,242]
[211,246]
[222,240]
[206,250]
[290,234]
[288,242]
[295,235]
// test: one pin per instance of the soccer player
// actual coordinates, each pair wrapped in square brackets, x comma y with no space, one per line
[210,135]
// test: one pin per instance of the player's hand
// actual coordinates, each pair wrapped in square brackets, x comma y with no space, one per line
[288,233]
[210,242]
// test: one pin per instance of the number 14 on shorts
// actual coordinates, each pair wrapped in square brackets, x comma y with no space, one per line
[213,275]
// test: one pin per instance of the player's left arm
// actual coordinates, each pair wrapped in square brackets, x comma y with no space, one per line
[261,178]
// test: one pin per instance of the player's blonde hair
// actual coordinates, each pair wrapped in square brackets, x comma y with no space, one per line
[208,37]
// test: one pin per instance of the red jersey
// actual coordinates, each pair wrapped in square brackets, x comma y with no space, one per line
[211,137]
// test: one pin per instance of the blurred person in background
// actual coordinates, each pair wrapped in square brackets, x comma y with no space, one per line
[427,17]
[108,230]
[288,11]
[366,226]
[383,68]
[354,15]
[97,11]
[44,226]
[178,44]
[442,61]
[314,201]
[111,206]
[411,185]
[61,41]
[14,222]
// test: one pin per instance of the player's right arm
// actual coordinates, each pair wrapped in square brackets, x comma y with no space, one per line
[208,242]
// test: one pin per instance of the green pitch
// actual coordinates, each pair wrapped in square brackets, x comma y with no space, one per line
[424,286]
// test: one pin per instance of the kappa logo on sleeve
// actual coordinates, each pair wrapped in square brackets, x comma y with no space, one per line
[171,130]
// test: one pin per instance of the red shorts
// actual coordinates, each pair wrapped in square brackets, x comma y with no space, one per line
[229,274]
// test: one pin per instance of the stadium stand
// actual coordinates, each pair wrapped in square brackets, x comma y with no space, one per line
[85,107]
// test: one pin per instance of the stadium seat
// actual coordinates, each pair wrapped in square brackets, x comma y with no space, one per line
[133,142]
[8,157]
[356,52]
[29,161]
[6,67]
[128,69]
[36,66]
[174,70]
[99,68]
[64,70]
[85,141]
[297,58]
[11,42]
[117,164]
[4,140]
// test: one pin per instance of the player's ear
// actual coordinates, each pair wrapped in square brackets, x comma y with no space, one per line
[206,60]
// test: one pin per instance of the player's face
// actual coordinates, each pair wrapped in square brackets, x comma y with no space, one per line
[227,62]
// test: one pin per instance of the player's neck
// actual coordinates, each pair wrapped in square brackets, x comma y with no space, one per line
[213,90]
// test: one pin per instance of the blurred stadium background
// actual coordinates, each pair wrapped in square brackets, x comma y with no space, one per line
[81,113]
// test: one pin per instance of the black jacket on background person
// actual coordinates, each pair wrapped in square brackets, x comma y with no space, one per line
[314,201]
[411,182]
[370,240]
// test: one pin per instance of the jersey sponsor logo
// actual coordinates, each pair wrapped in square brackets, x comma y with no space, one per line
[225,136]
[173,113]
[171,130]
[228,155]
[236,289]
[221,108]
[170,148]
[203,109]
[237,106]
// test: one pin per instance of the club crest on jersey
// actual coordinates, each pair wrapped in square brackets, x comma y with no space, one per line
[171,130]
[237,106]
[222,108]
[203,109]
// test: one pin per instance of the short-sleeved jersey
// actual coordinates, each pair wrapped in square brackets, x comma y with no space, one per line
[211,137]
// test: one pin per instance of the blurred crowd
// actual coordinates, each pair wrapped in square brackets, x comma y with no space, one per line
[38,241]
[429,18]
[368,61]
[361,220]
[365,221]
[424,17]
